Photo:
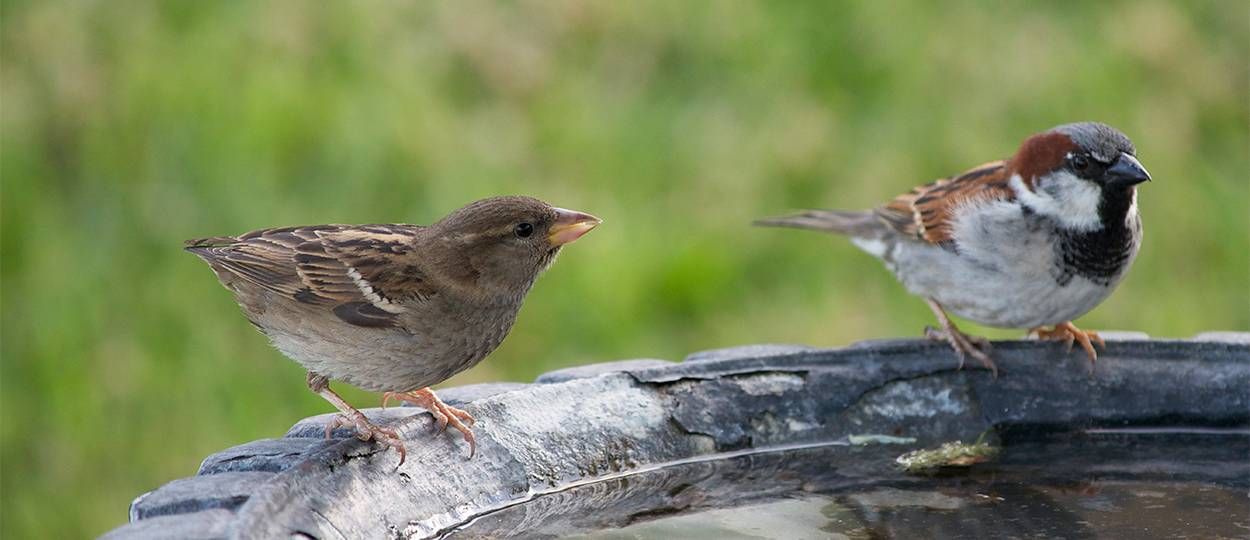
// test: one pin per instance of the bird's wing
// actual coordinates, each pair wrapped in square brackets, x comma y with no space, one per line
[927,213]
[365,272]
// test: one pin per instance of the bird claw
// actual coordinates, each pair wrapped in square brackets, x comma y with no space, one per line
[980,342]
[366,431]
[1069,334]
[964,346]
[444,414]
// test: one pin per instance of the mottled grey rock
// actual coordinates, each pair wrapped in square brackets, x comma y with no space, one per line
[540,438]
[1242,338]
[265,455]
[595,370]
[400,416]
[314,427]
[740,406]
[225,490]
[205,525]
[464,395]
[747,351]
[935,408]
[886,343]
[1123,335]
[1133,382]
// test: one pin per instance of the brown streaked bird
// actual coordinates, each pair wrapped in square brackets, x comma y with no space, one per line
[1035,240]
[393,308]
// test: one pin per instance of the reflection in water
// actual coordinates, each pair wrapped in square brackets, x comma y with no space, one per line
[1119,510]
[1100,487]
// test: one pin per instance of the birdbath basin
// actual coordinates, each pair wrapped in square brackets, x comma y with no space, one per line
[773,441]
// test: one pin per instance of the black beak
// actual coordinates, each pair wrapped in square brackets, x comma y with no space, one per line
[1125,172]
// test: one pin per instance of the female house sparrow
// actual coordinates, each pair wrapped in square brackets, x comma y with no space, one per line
[393,308]
[1038,239]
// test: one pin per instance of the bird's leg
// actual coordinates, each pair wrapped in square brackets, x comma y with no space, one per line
[365,430]
[1068,333]
[963,344]
[444,414]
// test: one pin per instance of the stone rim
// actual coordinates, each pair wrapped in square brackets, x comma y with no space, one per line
[618,398]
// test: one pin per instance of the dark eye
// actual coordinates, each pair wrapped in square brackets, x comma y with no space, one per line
[1080,163]
[524,230]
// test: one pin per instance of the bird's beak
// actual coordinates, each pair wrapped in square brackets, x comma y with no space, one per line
[1126,171]
[570,225]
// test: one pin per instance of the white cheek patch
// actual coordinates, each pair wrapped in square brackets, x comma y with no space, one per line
[1071,201]
[1132,208]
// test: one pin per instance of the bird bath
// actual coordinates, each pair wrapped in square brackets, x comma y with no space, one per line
[772,441]
[1104,485]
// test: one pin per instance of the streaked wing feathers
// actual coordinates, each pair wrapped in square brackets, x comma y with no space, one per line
[928,212]
[366,272]
[376,262]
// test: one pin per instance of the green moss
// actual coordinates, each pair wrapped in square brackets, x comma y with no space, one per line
[950,454]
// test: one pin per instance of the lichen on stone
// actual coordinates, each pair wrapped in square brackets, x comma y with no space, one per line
[950,454]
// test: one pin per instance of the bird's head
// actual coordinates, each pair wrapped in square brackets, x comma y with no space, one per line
[501,244]
[1081,175]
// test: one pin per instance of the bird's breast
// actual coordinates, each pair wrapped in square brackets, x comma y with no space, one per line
[1101,256]
[1008,270]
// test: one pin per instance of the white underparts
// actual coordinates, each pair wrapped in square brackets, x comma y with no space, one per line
[873,246]
[371,295]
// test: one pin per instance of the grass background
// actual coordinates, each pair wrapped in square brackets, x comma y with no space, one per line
[129,126]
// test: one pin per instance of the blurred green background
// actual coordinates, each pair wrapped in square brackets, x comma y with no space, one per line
[129,126]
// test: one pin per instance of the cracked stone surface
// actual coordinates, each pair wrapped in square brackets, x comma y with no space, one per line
[265,455]
[209,524]
[226,490]
[574,425]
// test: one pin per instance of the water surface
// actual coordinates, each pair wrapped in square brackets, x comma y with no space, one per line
[1155,483]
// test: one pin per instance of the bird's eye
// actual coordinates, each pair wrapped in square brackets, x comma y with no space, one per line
[1080,163]
[524,230]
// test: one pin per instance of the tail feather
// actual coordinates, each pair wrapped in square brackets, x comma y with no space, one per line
[214,241]
[850,223]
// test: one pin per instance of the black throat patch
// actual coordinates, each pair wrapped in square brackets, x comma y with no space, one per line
[1102,255]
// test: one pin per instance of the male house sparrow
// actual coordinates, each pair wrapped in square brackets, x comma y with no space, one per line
[1038,239]
[393,308]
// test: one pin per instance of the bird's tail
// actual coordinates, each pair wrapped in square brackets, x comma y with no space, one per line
[212,241]
[212,251]
[849,223]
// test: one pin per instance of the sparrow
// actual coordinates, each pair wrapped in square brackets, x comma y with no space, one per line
[393,308]
[1035,240]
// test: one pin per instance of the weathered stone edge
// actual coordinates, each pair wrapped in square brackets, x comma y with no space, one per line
[206,498]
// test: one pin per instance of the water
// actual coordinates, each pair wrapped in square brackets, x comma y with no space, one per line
[1002,510]
[1157,483]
